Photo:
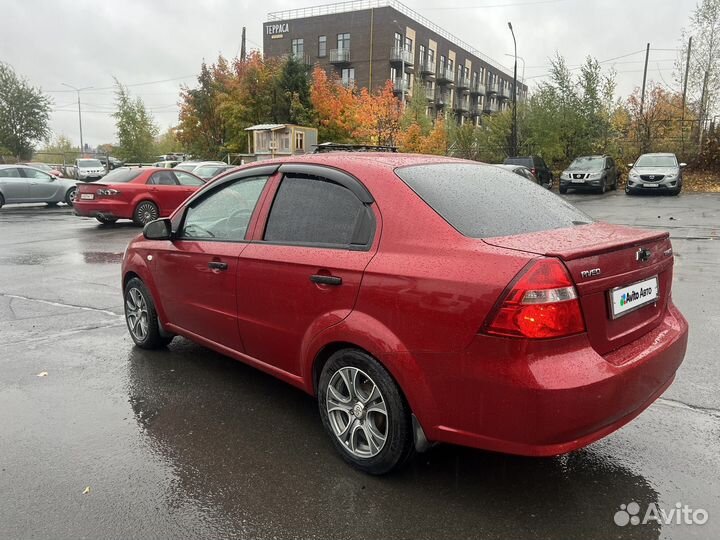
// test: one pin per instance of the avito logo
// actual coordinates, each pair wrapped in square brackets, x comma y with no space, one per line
[634,296]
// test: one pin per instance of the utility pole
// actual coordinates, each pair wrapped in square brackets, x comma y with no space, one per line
[78,90]
[513,133]
[642,94]
[242,45]
[703,110]
[682,122]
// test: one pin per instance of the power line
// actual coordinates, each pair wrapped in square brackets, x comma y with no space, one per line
[130,85]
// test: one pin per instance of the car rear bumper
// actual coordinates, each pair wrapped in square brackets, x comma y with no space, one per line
[102,209]
[547,398]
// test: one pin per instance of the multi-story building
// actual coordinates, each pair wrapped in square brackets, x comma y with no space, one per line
[365,43]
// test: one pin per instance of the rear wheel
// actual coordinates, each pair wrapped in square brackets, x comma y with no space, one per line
[141,317]
[106,221]
[70,196]
[2,201]
[364,412]
[145,212]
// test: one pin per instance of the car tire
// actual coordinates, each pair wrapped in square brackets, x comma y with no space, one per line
[145,212]
[141,317]
[614,185]
[70,196]
[563,190]
[629,191]
[603,187]
[364,412]
[2,200]
[106,221]
[52,204]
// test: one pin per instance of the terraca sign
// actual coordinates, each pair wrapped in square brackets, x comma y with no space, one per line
[279,28]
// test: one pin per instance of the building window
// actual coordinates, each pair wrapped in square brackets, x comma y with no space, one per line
[298,48]
[422,54]
[322,46]
[343,42]
[299,140]
[397,41]
[451,64]
[431,56]
[348,77]
[408,44]
[443,62]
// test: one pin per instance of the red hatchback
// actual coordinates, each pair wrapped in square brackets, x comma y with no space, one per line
[141,194]
[421,299]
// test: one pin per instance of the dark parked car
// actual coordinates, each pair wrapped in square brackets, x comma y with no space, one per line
[114,162]
[655,172]
[537,166]
[522,171]
[420,298]
[596,173]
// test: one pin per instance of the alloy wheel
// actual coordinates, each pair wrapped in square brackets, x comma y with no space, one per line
[136,313]
[357,412]
[146,212]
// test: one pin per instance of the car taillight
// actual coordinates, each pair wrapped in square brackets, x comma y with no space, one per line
[108,192]
[542,303]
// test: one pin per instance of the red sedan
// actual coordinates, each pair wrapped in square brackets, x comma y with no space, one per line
[141,194]
[420,299]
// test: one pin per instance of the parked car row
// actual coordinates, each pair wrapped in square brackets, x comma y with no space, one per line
[24,184]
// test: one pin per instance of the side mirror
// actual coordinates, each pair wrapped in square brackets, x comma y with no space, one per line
[53,177]
[159,229]
[630,165]
[683,165]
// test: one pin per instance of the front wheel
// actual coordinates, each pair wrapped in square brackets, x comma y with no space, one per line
[603,187]
[141,317]
[105,220]
[70,196]
[563,190]
[364,413]
[145,212]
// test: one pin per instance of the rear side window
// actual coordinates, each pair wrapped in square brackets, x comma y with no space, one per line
[10,172]
[163,178]
[312,210]
[483,201]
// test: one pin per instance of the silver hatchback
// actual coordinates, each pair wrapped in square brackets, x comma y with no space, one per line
[23,184]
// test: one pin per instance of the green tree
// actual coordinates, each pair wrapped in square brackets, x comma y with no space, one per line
[136,130]
[61,148]
[292,90]
[167,142]
[24,114]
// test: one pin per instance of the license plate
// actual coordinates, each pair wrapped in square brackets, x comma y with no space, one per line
[623,300]
[650,185]
[86,196]
[574,181]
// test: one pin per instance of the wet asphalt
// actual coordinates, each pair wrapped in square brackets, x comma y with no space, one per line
[116,442]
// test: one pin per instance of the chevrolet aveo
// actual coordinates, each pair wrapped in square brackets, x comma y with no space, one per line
[420,299]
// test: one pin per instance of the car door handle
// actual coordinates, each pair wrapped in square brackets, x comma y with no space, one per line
[326,280]
[218,265]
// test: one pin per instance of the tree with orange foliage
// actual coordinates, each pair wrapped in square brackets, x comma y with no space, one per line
[335,107]
[437,140]
[377,116]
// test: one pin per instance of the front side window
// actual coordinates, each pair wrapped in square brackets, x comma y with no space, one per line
[187,179]
[37,175]
[225,213]
[322,46]
[313,210]
[163,178]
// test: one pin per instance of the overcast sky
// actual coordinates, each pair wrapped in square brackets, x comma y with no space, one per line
[154,46]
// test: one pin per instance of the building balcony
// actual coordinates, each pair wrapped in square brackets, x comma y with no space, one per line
[463,83]
[339,56]
[301,58]
[400,86]
[490,107]
[400,55]
[461,106]
[475,110]
[442,98]
[446,76]
[477,89]
[492,88]
[503,93]
[427,68]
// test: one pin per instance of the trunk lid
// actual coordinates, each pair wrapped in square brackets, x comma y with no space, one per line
[602,257]
[85,189]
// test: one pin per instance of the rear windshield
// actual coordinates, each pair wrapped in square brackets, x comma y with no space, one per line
[526,162]
[482,201]
[121,176]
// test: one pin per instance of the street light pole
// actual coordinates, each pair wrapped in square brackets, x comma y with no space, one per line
[513,133]
[522,59]
[78,90]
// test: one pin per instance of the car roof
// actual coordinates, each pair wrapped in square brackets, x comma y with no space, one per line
[658,154]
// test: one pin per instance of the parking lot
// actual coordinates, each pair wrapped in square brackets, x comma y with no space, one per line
[101,439]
